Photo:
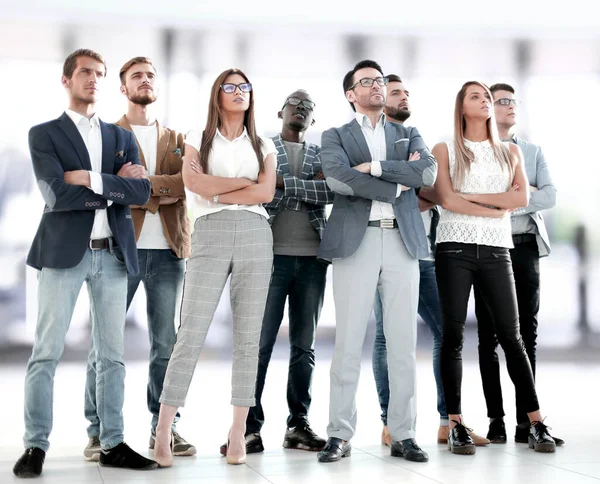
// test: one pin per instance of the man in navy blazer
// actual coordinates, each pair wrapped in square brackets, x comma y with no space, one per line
[88,173]
[374,238]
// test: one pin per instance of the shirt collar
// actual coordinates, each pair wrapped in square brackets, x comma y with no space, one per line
[244,134]
[363,120]
[77,118]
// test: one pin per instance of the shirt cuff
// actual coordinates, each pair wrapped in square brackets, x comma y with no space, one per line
[398,189]
[97,186]
[376,168]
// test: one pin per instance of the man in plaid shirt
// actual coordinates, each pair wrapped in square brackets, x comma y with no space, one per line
[298,221]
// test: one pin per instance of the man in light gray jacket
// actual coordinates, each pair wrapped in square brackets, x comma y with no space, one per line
[531,242]
[374,238]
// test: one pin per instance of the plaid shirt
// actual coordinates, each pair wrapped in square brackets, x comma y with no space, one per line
[315,194]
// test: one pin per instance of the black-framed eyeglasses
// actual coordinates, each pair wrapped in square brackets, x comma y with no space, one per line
[230,88]
[294,101]
[504,101]
[369,81]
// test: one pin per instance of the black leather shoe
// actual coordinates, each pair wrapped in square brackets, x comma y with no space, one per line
[334,450]
[459,440]
[408,449]
[539,438]
[303,438]
[497,432]
[522,436]
[125,457]
[30,463]
[254,444]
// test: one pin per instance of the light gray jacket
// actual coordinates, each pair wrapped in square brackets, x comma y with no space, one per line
[544,199]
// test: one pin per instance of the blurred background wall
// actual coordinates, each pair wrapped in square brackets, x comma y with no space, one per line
[550,52]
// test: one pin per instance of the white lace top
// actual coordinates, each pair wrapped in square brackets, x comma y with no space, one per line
[485,176]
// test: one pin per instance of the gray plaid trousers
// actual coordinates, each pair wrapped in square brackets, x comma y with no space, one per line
[236,242]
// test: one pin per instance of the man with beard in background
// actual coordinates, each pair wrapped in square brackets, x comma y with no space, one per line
[163,242]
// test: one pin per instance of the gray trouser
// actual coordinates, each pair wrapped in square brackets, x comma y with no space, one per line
[381,262]
[236,242]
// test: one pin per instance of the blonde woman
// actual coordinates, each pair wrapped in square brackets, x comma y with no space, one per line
[480,180]
[233,171]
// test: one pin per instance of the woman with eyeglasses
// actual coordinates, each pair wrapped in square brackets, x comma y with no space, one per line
[480,180]
[232,169]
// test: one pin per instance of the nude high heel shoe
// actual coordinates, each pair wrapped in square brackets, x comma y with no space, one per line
[236,459]
[164,460]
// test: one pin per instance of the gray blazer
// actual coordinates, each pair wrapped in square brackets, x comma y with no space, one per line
[544,199]
[345,147]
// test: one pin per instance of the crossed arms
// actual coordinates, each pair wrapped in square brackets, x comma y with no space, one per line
[70,190]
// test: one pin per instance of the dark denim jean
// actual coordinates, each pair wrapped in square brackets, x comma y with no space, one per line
[429,310]
[161,273]
[300,280]
[459,267]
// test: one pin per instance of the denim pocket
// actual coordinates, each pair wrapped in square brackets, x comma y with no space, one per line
[117,253]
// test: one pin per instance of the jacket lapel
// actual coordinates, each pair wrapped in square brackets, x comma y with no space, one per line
[391,135]
[69,128]
[283,165]
[307,163]
[109,146]
[162,147]
[359,138]
[123,123]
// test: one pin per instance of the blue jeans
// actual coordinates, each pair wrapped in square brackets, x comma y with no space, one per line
[430,312]
[161,272]
[106,277]
[301,280]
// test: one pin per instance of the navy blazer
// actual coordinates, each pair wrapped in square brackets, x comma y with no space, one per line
[345,147]
[64,231]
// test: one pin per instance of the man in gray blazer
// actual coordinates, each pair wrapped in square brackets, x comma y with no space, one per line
[374,238]
[531,242]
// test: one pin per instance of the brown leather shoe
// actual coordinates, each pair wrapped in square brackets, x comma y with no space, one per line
[478,439]
[443,433]
[386,438]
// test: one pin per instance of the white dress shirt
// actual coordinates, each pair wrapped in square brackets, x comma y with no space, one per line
[231,159]
[89,129]
[152,235]
[375,138]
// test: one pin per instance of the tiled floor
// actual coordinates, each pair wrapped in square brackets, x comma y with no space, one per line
[568,393]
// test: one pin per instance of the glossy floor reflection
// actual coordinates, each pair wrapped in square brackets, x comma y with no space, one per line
[567,393]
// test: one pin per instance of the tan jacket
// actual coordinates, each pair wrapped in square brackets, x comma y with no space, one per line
[168,181]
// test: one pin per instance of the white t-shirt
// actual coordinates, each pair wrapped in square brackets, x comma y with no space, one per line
[231,159]
[152,235]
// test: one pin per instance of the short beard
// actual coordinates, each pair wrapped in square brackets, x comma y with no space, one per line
[296,126]
[82,100]
[399,114]
[142,99]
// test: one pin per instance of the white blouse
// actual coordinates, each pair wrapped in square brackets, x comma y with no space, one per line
[231,159]
[486,175]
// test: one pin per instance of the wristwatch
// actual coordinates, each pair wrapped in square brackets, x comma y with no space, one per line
[215,198]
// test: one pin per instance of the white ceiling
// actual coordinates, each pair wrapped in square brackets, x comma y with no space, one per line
[529,18]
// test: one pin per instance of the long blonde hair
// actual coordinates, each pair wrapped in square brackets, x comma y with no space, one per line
[463,156]
[214,121]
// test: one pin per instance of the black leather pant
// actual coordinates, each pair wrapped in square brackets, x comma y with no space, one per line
[526,267]
[458,268]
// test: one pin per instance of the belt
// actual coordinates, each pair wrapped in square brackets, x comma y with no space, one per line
[101,244]
[390,223]
[524,238]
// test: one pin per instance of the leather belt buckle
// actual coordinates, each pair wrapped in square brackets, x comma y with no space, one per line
[387,223]
[99,244]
